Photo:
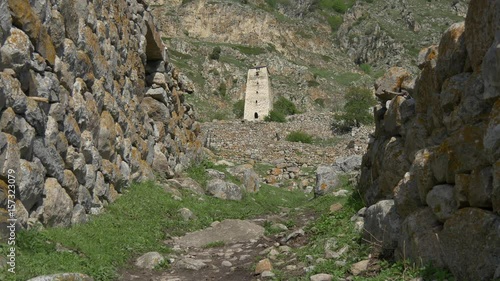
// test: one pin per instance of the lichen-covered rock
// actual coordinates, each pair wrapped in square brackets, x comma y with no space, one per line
[24,16]
[16,51]
[30,181]
[327,179]
[471,232]
[391,81]
[452,52]
[9,154]
[57,205]
[420,238]
[382,225]
[481,24]
[406,198]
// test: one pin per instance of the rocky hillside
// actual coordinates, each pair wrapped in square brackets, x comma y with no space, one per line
[88,104]
[314,49]
[431,173]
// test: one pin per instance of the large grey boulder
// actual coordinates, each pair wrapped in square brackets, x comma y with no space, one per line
[228,231]
[420,238]
[224,190]
[470,241]
[382,225]
[327,179]
[349,163]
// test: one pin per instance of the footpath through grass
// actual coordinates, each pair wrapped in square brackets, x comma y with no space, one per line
[135,224]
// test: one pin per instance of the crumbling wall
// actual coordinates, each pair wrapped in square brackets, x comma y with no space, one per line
[88,104]
[431,175]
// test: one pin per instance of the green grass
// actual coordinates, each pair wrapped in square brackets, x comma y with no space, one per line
[215,244]
[249,50]
[299,136]
[135,224]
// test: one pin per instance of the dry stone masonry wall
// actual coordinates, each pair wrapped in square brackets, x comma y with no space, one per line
[431,176]
[88,104]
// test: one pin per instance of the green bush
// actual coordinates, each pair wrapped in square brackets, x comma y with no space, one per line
[299,136]
[339,6]
[285,106]
[356,110]
[215,55]
[275,116]
[335,22]
[239,108]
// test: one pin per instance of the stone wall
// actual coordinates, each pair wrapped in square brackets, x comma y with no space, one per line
[431,175]
[88,104]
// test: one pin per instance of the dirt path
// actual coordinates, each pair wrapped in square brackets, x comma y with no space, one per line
[231,261]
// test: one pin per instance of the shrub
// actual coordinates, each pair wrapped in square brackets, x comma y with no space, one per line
[339,6]
[356,110]
[215,55]
[285,106]
[275,116]
[335,22]
[299,136]
[239,108]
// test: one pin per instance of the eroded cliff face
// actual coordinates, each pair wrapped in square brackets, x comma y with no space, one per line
[88,104]
[431,175]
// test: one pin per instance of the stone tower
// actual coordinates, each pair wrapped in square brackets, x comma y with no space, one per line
[258,96]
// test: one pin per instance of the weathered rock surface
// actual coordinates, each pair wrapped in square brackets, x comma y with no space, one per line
[224,190]
[63,277]
[442,171]
[77,109]
[228,231]
[149,260]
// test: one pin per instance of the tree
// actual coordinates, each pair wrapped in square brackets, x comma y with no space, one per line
[356,110]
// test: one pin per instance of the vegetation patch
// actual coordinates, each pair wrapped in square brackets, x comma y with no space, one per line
[299,136]
[239,109]
[356,110]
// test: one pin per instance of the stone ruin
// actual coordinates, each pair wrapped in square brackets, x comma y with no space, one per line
[88,104]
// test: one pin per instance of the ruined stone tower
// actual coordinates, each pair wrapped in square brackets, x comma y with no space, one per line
[258,96]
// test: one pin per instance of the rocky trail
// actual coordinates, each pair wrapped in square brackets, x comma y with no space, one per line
[262,247]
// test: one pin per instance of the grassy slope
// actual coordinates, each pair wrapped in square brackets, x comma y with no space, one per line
[143,217]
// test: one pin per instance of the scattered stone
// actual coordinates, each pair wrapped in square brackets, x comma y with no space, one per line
[263,265]
[293,235]
[63,277]
[279,226]
[227,264]
[321,277]
[267,274]
[186,214]
[359,267]
[335,207]
[189,263]
[149,260]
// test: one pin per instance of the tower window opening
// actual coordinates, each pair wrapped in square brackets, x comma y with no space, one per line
[256,115]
